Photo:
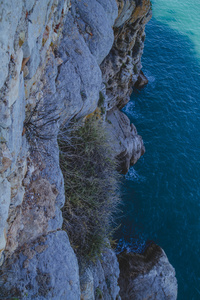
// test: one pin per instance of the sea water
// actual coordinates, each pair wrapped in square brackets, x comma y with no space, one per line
[161,192]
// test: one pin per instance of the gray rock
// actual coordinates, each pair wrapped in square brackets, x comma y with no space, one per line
[95,25]
[141,81]
[110,8]
[125,12]
[87,284]
[147,276]
[34,60]
[60,6]
[122,66]
[79,77]
[100,280]
[5,189]
[17,117]
[29,4]
[46,269]
[50,158]
[38,19]
[111,272]
[9,20]
[127,145]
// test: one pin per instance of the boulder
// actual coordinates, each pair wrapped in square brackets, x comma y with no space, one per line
[147,276]
[141,81]
[127,145]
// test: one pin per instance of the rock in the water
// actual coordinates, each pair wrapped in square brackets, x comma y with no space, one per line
[147,276]
[141,81]
[127,145]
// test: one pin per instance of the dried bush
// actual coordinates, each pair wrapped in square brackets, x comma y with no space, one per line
[91,186]
[39,121]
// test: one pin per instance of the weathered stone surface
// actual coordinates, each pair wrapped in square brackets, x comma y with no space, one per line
[147,276]
[125,10]
[5,157]
[98,34]
[126,143]
[4,208]
[45,269]
[79,76]
[15,80]
[87,285]
[29,4]
[111,273]
[38,18]
[122,66]
[32,219]
[110,8]
[141,81]
[9,20]
[15,140]
[99,280]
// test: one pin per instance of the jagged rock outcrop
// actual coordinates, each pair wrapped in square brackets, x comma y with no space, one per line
[121,70]
[122,66]
[57,57]
[126,143]
[147,276]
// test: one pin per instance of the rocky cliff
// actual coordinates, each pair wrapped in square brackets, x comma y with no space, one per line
[58,59]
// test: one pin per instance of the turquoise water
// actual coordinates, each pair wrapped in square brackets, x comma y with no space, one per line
[162,192]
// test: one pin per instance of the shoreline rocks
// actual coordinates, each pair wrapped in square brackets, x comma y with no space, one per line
[146,276]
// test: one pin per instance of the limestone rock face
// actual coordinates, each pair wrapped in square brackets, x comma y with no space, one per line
[95,20]
[99,280]
[147,276]
[121,69]
[79,77]
[52,66]
[9,21]
[56,57]
[123,64]
[127,145]
[44,269]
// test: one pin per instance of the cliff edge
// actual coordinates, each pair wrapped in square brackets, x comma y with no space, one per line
[60,60]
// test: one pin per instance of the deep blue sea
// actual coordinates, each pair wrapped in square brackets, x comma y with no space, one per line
[161,192]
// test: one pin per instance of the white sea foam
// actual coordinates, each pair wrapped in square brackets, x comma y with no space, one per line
[129,108]
[133,175]
[149,76]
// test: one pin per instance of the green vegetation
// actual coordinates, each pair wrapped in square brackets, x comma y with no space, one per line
[101,99]
[91,186]
[98,293]
[135,69]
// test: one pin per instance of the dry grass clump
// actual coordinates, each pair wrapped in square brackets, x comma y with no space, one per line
[91,186]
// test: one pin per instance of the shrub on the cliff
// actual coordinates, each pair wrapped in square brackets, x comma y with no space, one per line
[90,186]
[39,120]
